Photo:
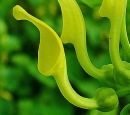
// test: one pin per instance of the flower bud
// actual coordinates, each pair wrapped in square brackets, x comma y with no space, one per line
[106,99]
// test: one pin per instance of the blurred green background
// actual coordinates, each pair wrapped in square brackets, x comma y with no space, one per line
[23,90]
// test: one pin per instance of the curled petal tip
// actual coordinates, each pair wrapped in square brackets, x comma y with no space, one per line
[19,12]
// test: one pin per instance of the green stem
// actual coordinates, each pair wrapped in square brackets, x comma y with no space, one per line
[114,46]
[69,93]
[116,24]
[124,38]
[105,98]
[85,62]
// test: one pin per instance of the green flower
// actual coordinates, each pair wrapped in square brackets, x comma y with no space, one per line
[52,61]
[74,32]
[115,11]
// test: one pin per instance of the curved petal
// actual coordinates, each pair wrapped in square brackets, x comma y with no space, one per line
[74,32]
[50,48]
[73,22]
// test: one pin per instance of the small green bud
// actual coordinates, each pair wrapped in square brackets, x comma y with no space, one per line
[106,99]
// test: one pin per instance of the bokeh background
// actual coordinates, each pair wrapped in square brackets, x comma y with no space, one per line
[23,90]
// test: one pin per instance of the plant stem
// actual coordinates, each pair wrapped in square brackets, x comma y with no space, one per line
[116,24]
[124,38]
[69,93]
[85,62]
[114,46]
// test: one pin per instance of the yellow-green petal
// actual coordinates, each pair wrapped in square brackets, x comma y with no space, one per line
[73,22]
[50,48]
[74,32]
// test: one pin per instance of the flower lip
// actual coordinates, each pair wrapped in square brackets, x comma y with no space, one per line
[50,49]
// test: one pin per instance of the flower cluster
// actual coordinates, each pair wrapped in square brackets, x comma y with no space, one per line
[114,76]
